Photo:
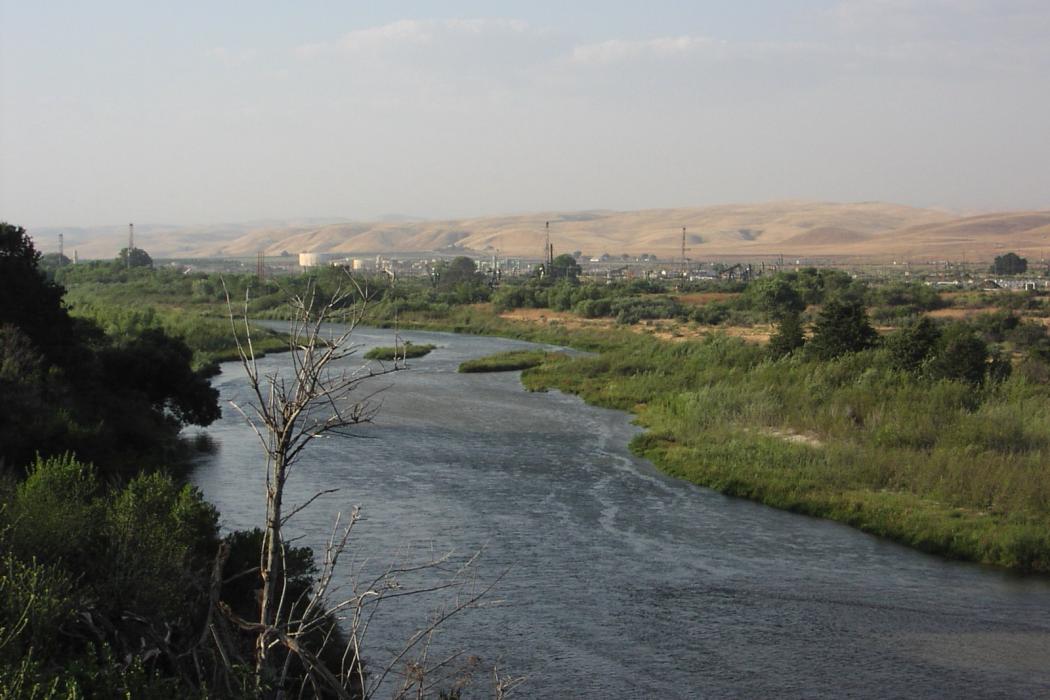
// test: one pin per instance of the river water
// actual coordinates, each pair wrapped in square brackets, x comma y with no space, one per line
[618,581]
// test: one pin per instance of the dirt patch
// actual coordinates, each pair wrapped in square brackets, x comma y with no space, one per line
[563,318]
[702,298]
[795,437]
[663,329]
[953,313]
[759,335]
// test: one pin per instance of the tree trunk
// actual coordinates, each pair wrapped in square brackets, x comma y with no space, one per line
[272,570]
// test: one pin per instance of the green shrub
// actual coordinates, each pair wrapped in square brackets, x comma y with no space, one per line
[509,361]
[408,350]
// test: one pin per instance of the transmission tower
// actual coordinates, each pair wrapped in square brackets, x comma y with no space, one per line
[548,251]
[685,261]
[260,269]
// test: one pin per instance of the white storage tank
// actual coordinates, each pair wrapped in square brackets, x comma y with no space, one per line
[310,259]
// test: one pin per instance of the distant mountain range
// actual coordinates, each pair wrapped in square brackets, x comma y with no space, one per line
[872,230]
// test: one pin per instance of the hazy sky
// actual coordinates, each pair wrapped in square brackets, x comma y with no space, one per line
[200,112]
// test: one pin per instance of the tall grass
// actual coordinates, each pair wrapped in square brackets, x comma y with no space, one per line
[939,465]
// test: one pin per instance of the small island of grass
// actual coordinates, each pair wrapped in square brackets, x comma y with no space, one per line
[399,352]
[507,361]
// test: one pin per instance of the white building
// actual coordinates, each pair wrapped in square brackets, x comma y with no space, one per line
[311,259]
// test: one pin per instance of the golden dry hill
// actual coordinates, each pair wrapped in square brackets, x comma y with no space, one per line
[873,230]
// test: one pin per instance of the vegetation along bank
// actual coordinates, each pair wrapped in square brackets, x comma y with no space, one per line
[910,413]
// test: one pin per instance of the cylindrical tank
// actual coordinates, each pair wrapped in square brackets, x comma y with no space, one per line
[310,259]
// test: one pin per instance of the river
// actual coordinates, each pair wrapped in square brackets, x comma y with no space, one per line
[618,581]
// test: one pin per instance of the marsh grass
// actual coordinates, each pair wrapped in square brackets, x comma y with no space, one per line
[510,361]
[406,351]
[939,465]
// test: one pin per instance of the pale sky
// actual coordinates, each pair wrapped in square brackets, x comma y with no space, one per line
[204,112]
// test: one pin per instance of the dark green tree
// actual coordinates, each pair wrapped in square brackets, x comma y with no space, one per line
[913,345]
[1009,264]
[818,285]
[776,296]
[65,385]
[961,355]
[27,299]
[139,258]
[158,367]
[459,281]
[788,337]
[565,267]
[49,262]
[841,327]
[456,271]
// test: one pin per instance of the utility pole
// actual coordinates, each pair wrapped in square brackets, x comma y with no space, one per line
[549,252]
[131,245]
[61,249]
[685,265]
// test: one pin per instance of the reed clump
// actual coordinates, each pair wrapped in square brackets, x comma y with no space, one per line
[509,361]
[408,350]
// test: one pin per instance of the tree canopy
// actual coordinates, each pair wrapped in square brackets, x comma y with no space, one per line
[961,354]
[777,296]
[841,327]
[565,267]
[28,300]
[788,337]
[67,386]
[1009,264]
[459,270]
[139,258]
[914,344]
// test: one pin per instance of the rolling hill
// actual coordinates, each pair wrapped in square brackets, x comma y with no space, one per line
[871,230]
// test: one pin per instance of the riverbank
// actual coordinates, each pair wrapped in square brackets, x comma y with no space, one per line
[942,467]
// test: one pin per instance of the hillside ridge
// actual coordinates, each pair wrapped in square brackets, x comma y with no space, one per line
[875,230]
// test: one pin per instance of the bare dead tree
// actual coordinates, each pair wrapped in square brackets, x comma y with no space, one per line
[316,397]
[319,396]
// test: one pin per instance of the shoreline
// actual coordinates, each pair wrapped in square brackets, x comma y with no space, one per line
[752,466]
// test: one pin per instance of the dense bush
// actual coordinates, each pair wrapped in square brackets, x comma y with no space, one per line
[631,310]
[913,296]
[789,336]
[138,555]
[913,345]
[842,326]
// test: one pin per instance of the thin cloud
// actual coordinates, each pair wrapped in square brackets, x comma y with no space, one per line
[985,21]
[231,57]
[618,50]
[412,32]
[686,48]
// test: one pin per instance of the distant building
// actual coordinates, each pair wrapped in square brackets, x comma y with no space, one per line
[311,259]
